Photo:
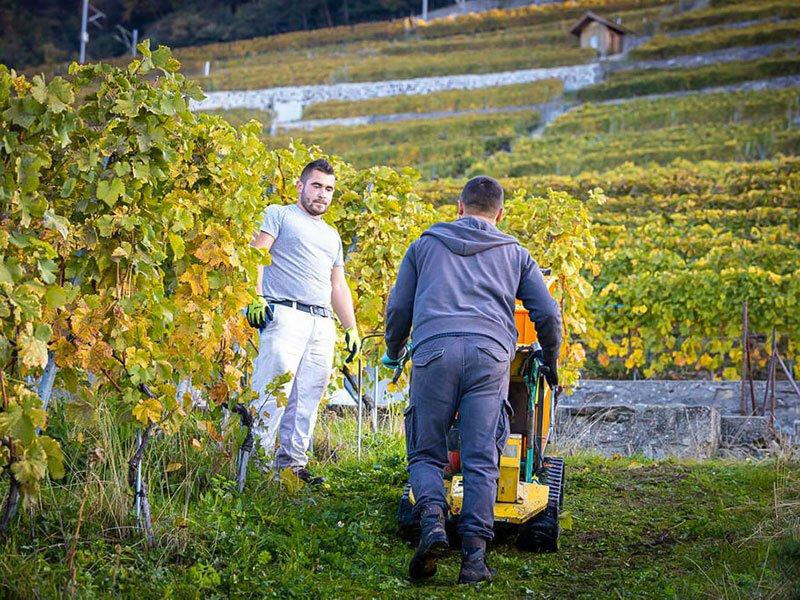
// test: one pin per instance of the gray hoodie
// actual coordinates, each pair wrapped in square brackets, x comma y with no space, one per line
[463,278]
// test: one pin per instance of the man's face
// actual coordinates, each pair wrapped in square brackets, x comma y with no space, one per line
[316,193]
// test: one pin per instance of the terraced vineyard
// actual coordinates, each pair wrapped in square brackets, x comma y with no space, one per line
[451,100]
[736,126]
[680,247]
[438,148]
[526,38]
[124,261]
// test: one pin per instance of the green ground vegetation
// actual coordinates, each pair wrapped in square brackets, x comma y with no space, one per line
[637,528]
[451,100]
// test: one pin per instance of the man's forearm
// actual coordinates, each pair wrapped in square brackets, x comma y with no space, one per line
[259,280]
[342,303]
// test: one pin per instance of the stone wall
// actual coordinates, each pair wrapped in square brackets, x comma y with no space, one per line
[687,419]
[574,77]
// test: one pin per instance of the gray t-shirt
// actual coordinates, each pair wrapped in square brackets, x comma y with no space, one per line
[303,254]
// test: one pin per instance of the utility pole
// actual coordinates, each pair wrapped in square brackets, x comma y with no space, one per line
[424,10]
[84,33]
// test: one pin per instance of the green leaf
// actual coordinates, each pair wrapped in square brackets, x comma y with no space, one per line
[161,57]
[177,244]
[59,95]
[55,457]
[57,222]
[55,297]
[5,275]
[110,192]
[46,270]
[32,351]
[32,468]
[67,187]
[43,332]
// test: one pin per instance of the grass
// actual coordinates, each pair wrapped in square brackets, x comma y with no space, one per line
[640,528]
[451,100]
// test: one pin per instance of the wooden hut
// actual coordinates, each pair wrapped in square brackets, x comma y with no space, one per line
[601,34]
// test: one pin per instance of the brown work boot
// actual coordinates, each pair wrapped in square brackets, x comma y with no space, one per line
[473,562]
[432,543]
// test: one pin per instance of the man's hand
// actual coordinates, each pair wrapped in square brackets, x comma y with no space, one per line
[352,341]
[258,313]
[551,376]
[396,363]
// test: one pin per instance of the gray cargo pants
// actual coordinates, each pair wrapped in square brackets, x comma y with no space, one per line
[467,374]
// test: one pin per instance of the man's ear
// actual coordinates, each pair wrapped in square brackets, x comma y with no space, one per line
[500,214]
[460,208]
[299,185]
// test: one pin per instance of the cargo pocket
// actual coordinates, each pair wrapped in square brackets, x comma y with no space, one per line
[503,427]
[410,424]
[423,359]
[498,354]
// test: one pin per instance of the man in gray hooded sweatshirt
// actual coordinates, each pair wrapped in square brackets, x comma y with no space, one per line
[457,288]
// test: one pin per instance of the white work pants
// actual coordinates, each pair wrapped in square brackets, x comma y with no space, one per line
[301,344]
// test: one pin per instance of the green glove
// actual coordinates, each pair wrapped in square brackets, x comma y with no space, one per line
[399,362]
[352,341]
[258,313]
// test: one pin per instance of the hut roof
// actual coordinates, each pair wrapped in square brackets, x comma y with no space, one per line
[590,17]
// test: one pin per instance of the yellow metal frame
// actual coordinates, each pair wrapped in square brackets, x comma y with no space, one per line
[531,499]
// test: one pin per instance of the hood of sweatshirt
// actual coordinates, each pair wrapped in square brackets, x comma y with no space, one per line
[469,235]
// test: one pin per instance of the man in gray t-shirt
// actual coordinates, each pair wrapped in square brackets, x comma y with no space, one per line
[298,294]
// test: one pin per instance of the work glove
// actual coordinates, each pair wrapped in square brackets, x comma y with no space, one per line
[352,342]
[399,362]
[258,313]
[551,375]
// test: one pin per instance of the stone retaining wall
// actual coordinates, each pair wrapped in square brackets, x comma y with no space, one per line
[574,77]
[697,419]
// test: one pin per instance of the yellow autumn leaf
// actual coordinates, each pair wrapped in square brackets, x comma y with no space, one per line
[173,466]
[147,411]
[33,352]
[197,280]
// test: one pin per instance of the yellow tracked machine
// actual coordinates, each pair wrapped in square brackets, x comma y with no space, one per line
[530,489]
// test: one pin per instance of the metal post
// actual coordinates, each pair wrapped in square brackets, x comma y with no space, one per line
[359,409]
[134,42]
[424,10]
[375,399]
[743,396]
[84,32]
[139,481]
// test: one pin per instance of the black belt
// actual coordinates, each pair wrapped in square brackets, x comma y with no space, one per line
[317,311]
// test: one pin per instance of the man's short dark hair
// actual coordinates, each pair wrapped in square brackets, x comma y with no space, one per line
[320,164]
[482,195]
